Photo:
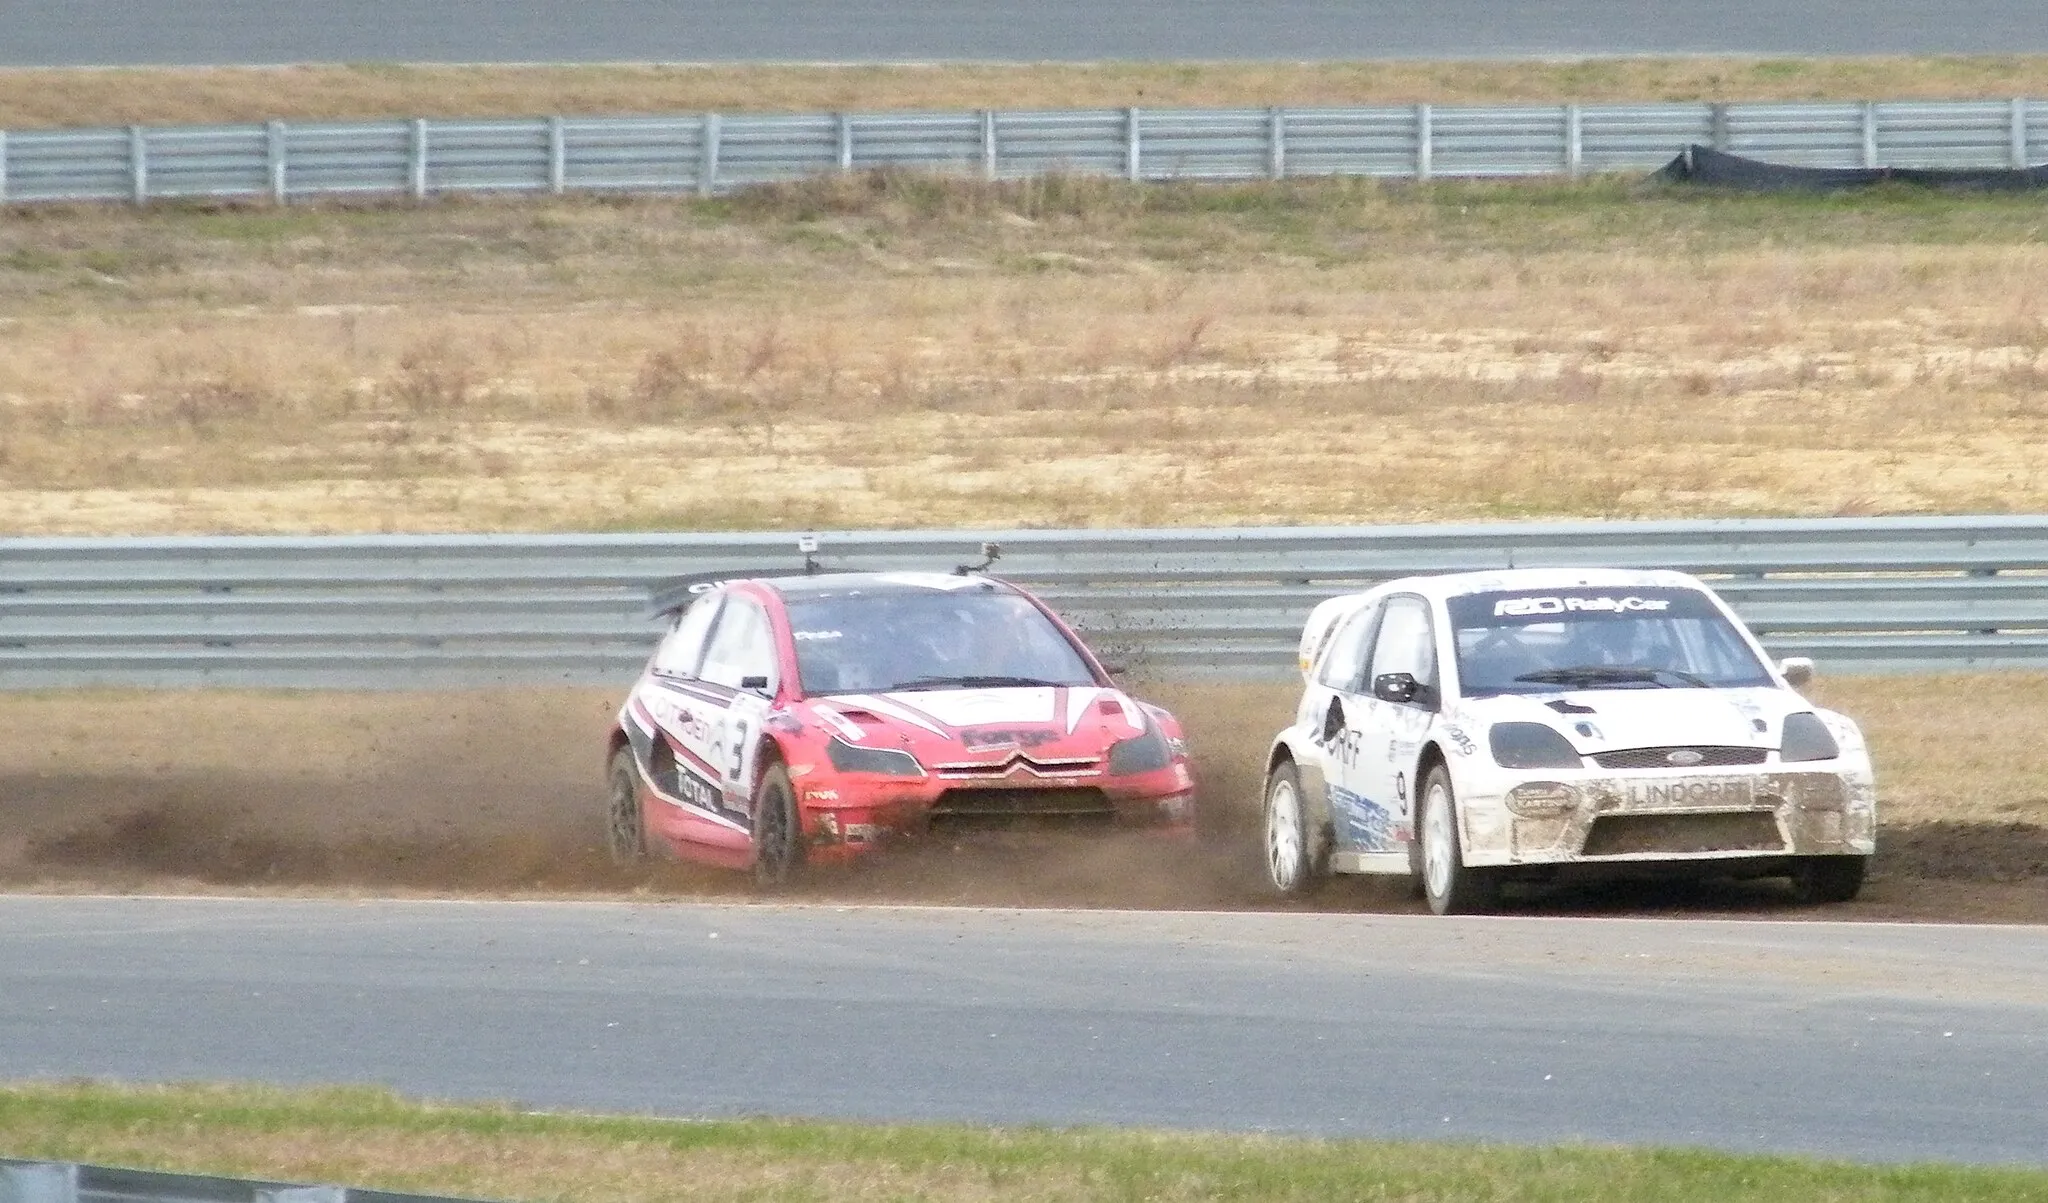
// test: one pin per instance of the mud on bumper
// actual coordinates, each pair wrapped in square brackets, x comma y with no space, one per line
[1705,817]
[845,828]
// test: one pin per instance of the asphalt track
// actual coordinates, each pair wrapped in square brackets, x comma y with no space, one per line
[122,32]
[1869,1042]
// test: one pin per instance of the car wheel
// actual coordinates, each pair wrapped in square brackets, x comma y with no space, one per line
[778,834]
[1817,879]
[625,827]
[1452,887]
[1291,860]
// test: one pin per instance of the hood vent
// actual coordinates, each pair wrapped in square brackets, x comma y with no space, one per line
[1565,706]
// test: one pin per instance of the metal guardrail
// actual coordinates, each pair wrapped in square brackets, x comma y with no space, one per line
[1858,595]
[72,1182]
[707,153]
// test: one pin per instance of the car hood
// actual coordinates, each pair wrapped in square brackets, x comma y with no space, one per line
[1602,720]
[1063,720]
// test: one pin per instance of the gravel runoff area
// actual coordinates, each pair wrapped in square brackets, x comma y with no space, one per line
[497,793]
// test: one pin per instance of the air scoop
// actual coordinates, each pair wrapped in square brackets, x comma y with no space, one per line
[1567,706]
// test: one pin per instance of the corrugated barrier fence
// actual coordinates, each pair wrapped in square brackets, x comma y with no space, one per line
[707,153]
[71,1182]
[1858,595]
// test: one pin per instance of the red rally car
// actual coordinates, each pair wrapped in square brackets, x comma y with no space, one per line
[793,719]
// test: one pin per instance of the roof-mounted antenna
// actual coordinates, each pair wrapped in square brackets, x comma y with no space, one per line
[808,545]
[990,553]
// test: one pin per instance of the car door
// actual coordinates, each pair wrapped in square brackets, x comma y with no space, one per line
[1335,709]
[678,760]
[740,670]
[1400,697]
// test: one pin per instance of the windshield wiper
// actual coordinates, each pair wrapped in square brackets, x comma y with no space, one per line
[1602,674]
[974,683]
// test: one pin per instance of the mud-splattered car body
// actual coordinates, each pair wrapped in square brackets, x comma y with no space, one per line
[1478,727]
[815,718]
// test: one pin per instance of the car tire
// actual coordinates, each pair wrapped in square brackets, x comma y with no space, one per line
[625,825]
[1824,879]
[777,829]
[1295,866]
[1450,885]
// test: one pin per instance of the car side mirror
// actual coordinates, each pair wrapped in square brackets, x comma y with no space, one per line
[757,684]
[1396,687]
[1797,670]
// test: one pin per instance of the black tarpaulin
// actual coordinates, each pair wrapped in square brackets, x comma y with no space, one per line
[1704,165]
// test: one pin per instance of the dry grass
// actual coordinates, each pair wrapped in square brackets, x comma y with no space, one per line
[35,98]
[894,351]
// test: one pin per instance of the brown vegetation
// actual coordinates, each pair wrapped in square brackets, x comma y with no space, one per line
[898,351]
[165,96]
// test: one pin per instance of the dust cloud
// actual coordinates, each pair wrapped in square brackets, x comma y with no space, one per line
[500,793]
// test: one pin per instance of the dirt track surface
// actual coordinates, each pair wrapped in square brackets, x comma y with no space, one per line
[499,792]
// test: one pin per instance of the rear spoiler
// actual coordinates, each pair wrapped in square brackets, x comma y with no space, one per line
[667,596]
[1322,623]
[676,592]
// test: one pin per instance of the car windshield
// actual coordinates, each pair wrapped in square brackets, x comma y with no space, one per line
[875,641]
[1543,641]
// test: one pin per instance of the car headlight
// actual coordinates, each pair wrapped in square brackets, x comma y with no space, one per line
[1144,752]
[1532,746]
[1807,738]
[850,758]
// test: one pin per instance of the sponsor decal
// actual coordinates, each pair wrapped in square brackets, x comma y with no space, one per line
[695,791]
[1343,747]
[987,739]
[676,717]
[1736,792]
[1366,824]
[1460,740]
[1522,607]
[816,635]
[821,795]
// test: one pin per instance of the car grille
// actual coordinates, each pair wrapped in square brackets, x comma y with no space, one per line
[970,807]
[980,770]
[1739,831]
[1661,758]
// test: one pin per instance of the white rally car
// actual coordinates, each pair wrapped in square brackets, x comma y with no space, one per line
[1471,728]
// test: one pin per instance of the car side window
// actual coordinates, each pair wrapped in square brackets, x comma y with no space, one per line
[1344,664]
[683,647]
[742,646]
[1404,644]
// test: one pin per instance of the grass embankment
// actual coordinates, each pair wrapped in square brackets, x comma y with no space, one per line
[361,1137]
[899,351]
[893,350]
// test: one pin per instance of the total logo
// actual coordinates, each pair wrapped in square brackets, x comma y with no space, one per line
[1522,606]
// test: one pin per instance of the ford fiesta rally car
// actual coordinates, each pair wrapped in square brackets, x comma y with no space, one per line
[811,718]
[1474,728]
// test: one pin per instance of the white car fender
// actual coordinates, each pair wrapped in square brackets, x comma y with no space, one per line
[1296,745]
[1483,820]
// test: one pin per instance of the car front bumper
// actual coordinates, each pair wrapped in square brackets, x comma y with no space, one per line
[1547,817]
[849,815]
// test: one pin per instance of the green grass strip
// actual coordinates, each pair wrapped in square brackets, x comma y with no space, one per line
[367,1137]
